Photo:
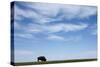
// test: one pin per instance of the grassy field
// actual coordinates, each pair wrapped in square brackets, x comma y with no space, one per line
[52,62]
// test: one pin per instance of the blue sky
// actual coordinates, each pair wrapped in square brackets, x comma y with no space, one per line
[56,31]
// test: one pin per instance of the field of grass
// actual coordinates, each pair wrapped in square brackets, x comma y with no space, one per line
[52,62]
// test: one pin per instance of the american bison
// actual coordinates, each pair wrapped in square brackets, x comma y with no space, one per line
[41,59]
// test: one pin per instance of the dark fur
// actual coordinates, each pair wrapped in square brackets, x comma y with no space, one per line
[41,58]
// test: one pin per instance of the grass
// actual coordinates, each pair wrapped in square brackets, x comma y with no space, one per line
[52,62]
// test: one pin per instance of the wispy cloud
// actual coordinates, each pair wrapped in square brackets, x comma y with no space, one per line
[64,39]
[61,27]
[41,12]
[34,16]
[24,35]
[34,28]
[50,30]
[66,27]
[87,12]
[55,37]
[20,13]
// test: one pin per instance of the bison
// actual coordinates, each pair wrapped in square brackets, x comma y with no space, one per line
[41,59]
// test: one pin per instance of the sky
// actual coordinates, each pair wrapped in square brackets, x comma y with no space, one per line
[56,31]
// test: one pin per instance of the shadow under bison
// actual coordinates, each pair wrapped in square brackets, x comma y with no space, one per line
[41,59]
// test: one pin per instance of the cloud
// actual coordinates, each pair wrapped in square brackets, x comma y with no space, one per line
[78,11]
[34,28]
[21,12]
[75,27]
[31,14]
[24,35]
[87,12]
[65,27]
[43,8]
[42,14]
[69,11]
[63,38]
[55,28]
[50,30]
[55,37]
[76,38]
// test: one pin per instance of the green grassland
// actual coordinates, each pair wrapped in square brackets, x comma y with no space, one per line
[52,62]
